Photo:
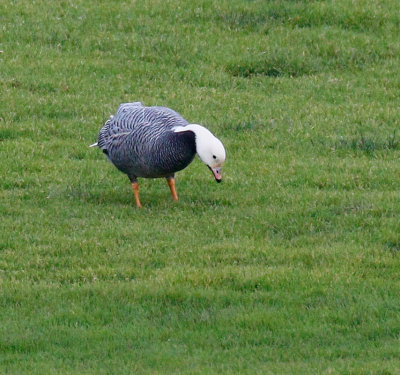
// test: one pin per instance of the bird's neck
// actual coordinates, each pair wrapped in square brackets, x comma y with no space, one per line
[198,130]
[201,134]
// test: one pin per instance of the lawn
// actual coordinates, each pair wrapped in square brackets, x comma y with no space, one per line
[290,266]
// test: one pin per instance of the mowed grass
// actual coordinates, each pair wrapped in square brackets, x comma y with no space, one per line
[290,266]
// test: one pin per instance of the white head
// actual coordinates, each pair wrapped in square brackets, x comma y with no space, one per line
[210,149]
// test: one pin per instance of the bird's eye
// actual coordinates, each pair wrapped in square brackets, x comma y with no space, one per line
[214,157]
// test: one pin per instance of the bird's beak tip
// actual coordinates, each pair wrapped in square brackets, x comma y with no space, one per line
[217,173]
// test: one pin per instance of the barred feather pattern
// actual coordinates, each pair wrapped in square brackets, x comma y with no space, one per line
[140,141]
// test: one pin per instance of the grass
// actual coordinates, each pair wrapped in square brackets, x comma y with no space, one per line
[290,266]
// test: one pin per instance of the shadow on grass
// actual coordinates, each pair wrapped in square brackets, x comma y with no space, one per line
[367,144]
[149,199]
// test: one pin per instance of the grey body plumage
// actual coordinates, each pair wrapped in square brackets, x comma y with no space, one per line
[140,141]
[154,142]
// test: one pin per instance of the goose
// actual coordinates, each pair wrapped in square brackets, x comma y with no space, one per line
[155,142]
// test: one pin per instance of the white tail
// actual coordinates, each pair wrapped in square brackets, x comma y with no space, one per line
[93,145]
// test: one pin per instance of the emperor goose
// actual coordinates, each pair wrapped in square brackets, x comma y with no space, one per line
[153,142]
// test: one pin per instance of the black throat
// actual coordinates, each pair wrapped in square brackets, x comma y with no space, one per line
[188,138]
[176,152]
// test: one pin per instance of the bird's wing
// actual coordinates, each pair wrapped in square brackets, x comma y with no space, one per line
[146,124]
[165,117]
[124,107]
[115,137]
[129,116]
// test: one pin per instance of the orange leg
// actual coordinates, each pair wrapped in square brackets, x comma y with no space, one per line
[135,187]
[171,184]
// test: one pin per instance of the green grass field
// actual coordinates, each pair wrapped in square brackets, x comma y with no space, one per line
[290,266]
